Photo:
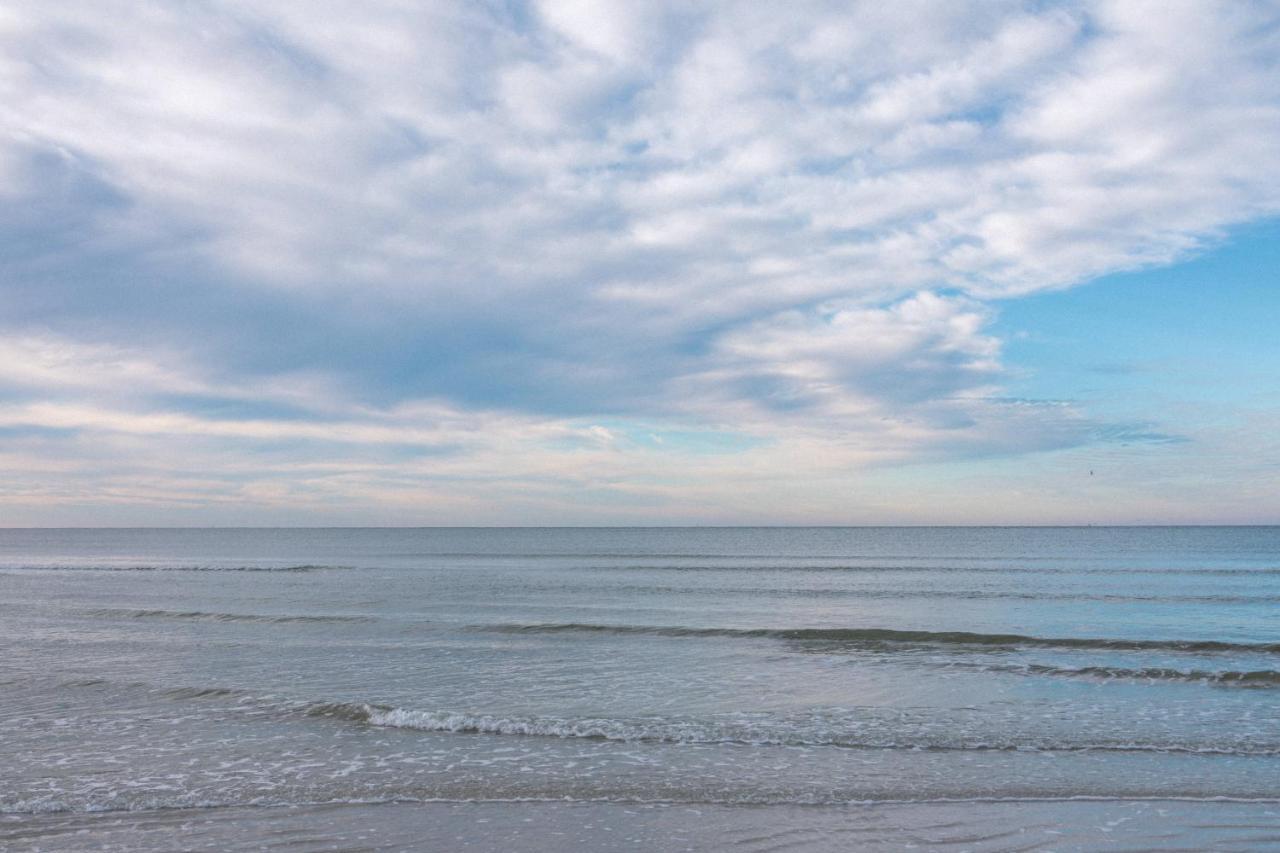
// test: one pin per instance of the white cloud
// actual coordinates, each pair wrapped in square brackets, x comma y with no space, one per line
[320,144]
[50,364]
[924,348]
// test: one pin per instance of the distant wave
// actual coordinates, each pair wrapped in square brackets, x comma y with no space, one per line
[203,692]
[949,568]
[113,803]
[206,616]
[702,732]
[692,562]
[883,636]
[953,594]
[178,693]
[167,568]
[738,565]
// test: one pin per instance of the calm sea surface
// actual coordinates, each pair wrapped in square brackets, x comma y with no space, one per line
[982,688]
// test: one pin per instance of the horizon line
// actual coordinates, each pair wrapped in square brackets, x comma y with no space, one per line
[1154,526]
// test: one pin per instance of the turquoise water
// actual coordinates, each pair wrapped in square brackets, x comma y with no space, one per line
[756,669]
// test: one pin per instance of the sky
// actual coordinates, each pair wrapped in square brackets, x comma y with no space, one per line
[313,263]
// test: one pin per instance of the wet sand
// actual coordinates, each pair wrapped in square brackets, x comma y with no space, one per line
[555,827]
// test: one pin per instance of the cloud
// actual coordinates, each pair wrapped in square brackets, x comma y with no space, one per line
[923,348]
[115,431]
[417,150]
[307,219]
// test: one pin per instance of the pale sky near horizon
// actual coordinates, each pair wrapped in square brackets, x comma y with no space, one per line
[639,263]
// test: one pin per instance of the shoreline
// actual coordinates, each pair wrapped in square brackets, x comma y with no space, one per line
[537,826]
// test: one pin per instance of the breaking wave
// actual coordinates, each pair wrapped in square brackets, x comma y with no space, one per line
[713,732]
[1241,678]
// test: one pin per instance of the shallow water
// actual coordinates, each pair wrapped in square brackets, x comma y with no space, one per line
[826,681]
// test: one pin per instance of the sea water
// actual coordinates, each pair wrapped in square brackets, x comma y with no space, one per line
[813,688]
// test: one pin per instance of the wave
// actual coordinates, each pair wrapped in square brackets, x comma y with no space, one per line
[1242,678]
[815,730]
[206,804]
[178,693]
[874,637]
[203,692]
[952,594]
[206,616]
[948,568]
[701,732]
[737,565]
[748,562]
[166,568]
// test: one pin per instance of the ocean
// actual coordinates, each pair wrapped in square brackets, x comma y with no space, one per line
[640,689]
